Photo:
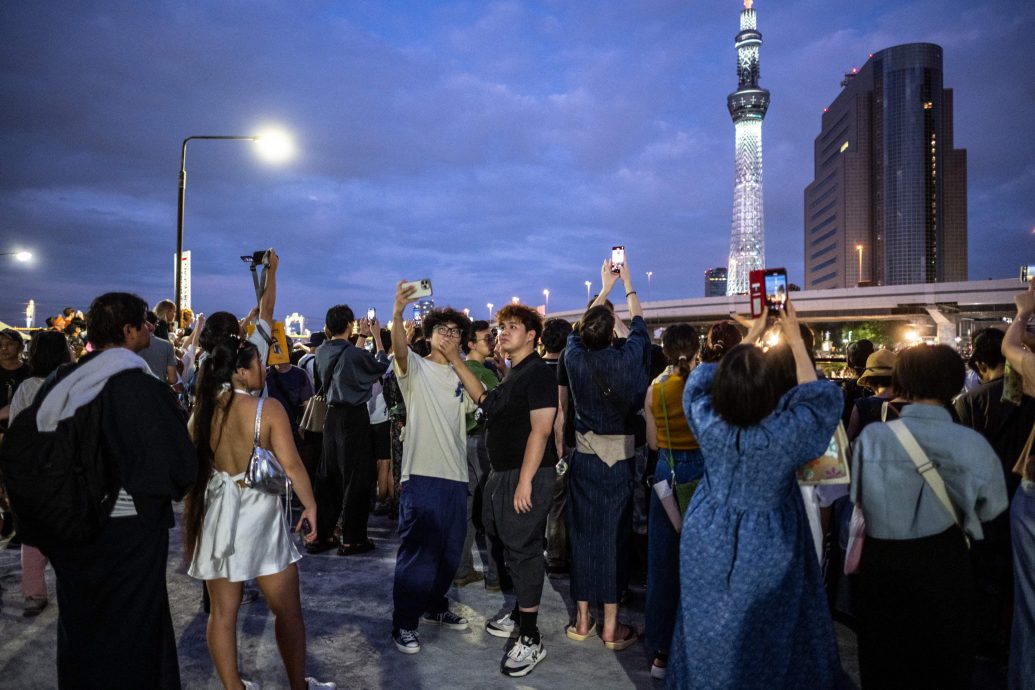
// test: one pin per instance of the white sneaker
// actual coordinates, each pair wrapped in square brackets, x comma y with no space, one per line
[250,685]
[523,657]
[317,685]
[504,626]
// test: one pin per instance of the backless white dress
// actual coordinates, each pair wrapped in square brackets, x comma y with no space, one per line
[245,533]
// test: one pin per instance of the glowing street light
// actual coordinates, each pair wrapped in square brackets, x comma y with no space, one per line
[467,312]
[20,256]
[273,146]
[588,286]
[546,294]
[650,274]
[859,248]
[489,305]
[515,300]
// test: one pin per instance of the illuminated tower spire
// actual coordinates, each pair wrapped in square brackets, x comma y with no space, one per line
[747,106]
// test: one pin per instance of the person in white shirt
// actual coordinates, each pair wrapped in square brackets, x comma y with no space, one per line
[433,498]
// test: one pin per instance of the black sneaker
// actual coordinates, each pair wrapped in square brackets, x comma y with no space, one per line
[446,619]
[523,657]
[406,641]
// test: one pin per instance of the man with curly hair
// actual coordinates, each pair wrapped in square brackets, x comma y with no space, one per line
[433,495]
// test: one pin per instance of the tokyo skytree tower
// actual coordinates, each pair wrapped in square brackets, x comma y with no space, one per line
[747,106]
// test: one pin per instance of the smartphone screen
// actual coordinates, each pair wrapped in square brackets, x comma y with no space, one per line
[775,288]
[617,257]
[371,314]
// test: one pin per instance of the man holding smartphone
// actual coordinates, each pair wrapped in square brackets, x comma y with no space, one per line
[433,494]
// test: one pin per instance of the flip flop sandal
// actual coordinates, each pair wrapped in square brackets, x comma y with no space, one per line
[572,632]
[624,643]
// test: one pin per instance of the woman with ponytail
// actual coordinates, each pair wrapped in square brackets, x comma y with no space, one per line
[235,533]
[680,464]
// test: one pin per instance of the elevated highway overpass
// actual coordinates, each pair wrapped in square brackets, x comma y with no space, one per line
[953,309]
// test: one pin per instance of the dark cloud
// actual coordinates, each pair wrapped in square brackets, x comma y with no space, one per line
[498,148]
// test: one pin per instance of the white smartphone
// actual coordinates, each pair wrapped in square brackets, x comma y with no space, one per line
[617,258]
[371,314]
[421,287]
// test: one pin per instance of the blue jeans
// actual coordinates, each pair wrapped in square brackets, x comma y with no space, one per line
[663,550]
[1022,641]
[432,526]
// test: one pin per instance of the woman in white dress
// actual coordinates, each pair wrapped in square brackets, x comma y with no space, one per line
[235,533]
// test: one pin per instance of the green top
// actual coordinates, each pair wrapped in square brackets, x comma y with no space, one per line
[488,378]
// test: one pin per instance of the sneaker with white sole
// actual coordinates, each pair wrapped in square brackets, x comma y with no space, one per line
[523,657]
[447,619]
[250,684]
[504,626]
[406,641]
[314,684]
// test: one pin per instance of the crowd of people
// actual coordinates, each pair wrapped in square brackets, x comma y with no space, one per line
[583,449]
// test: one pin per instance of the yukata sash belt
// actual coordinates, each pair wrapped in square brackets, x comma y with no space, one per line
[610,448]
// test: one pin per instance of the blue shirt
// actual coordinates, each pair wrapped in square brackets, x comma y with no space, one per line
[896,499]
[625,371]
[354,373]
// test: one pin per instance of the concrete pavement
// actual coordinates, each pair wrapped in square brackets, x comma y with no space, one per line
[347,603]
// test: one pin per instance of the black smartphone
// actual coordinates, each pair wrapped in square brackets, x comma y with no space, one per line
[1027,273]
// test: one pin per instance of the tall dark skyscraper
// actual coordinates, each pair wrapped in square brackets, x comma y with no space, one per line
[747,106]
[715,282]
[888,205]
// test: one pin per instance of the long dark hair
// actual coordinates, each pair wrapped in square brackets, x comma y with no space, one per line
[47,351]
[214,378]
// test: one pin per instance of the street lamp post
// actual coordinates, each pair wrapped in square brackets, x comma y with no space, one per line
[546,308]
[650,274]
[275,147]
[588,286]
[489,305]
[515,300]
[859,248]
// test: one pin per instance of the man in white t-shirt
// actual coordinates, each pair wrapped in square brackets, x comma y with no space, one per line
[433,498]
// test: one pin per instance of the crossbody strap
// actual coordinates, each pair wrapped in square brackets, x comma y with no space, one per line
[258,423]
[334,366]
[924,466]
[668,431]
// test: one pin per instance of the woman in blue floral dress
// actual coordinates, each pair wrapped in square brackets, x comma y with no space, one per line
[753,613]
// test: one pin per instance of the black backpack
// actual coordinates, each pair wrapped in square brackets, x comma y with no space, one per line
[60,483]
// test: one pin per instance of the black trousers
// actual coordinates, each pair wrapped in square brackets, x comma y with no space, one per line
[521,534]
[916,613]
[347,473]
[114,627]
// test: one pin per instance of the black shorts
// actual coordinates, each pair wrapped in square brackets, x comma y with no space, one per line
[382,440]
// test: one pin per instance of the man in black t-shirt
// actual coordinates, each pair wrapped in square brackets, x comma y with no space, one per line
[519,492]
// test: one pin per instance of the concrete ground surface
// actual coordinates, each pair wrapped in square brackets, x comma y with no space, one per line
[347,603]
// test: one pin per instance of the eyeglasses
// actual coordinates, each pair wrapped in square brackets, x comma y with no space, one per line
[447,331]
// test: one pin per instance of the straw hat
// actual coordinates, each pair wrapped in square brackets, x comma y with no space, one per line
[880,363]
